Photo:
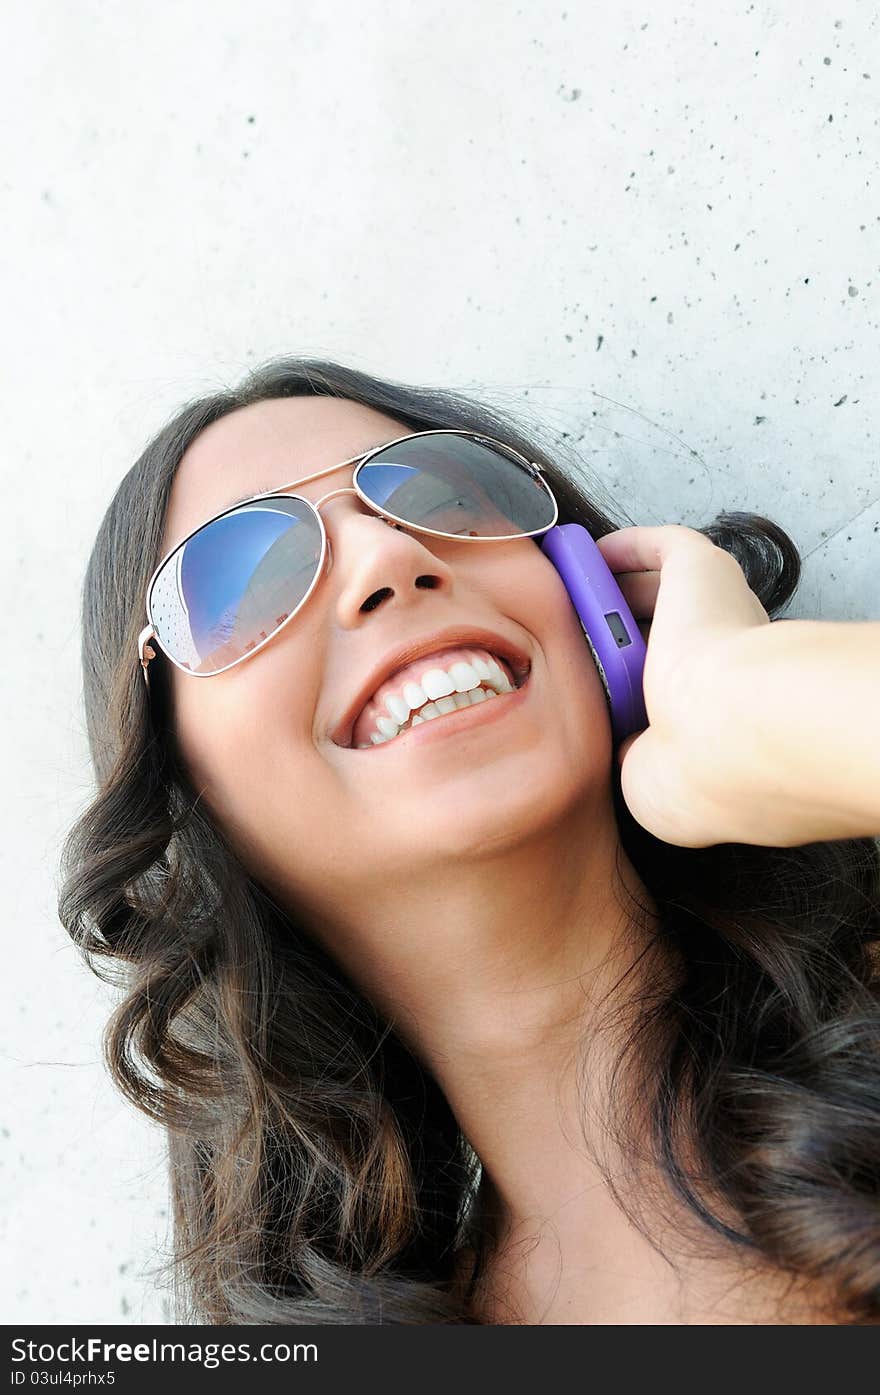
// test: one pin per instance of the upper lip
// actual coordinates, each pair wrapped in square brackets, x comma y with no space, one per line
[455,636]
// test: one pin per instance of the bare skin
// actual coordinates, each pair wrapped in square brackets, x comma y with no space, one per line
[473,886]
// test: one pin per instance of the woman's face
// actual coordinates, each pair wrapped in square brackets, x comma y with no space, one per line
[335,829]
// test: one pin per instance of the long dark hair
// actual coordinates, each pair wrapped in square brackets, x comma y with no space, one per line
[318,1173]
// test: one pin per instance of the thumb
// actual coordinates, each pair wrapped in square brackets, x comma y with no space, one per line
[624,746]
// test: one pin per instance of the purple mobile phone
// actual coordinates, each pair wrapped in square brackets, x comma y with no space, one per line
[614,638]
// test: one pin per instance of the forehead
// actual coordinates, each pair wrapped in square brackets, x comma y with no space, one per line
[270,445]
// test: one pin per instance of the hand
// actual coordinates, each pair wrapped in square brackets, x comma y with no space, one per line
[679,775]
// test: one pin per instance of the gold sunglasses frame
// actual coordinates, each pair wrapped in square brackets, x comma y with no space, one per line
[147,651]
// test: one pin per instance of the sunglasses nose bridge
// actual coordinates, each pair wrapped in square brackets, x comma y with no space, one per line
[349,489]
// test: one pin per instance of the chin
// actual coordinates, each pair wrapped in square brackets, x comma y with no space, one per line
[490,812]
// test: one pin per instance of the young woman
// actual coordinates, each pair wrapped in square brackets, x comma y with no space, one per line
[475,1018]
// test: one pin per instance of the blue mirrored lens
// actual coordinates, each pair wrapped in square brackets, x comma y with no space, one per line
[452,484]
[230,586]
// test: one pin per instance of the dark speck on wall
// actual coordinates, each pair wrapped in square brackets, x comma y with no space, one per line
[758,420]
[852,290]
[599,342]
[840,401]
[827,62]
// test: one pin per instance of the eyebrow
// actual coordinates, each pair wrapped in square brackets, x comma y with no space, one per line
[261,489]
[274,488]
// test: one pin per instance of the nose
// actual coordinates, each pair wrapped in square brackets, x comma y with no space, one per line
[377,566]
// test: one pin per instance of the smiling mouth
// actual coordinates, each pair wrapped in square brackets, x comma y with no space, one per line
[460,692]
[428,716]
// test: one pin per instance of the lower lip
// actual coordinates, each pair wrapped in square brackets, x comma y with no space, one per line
[455,723]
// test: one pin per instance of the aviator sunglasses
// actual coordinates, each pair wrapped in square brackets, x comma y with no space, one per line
[237,580]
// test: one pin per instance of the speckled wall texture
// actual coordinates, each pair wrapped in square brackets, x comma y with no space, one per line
[655,226]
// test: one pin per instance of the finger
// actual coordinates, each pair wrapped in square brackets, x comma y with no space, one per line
[640,592]
[624,746]
[704,584]
[646,549]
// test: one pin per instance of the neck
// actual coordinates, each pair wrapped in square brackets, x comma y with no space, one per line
[516,980]
[512,981]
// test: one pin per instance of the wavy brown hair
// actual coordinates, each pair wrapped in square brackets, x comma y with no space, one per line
[317,1171]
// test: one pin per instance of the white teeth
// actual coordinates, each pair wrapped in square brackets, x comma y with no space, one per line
[499,676]
[398,707]
[415,695]
[482,667]
[464,676]
[437,683]
[440,692]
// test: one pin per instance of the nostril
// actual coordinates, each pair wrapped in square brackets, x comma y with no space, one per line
[377,597]
[427,583]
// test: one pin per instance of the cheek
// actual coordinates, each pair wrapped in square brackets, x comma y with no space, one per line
[239,738]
